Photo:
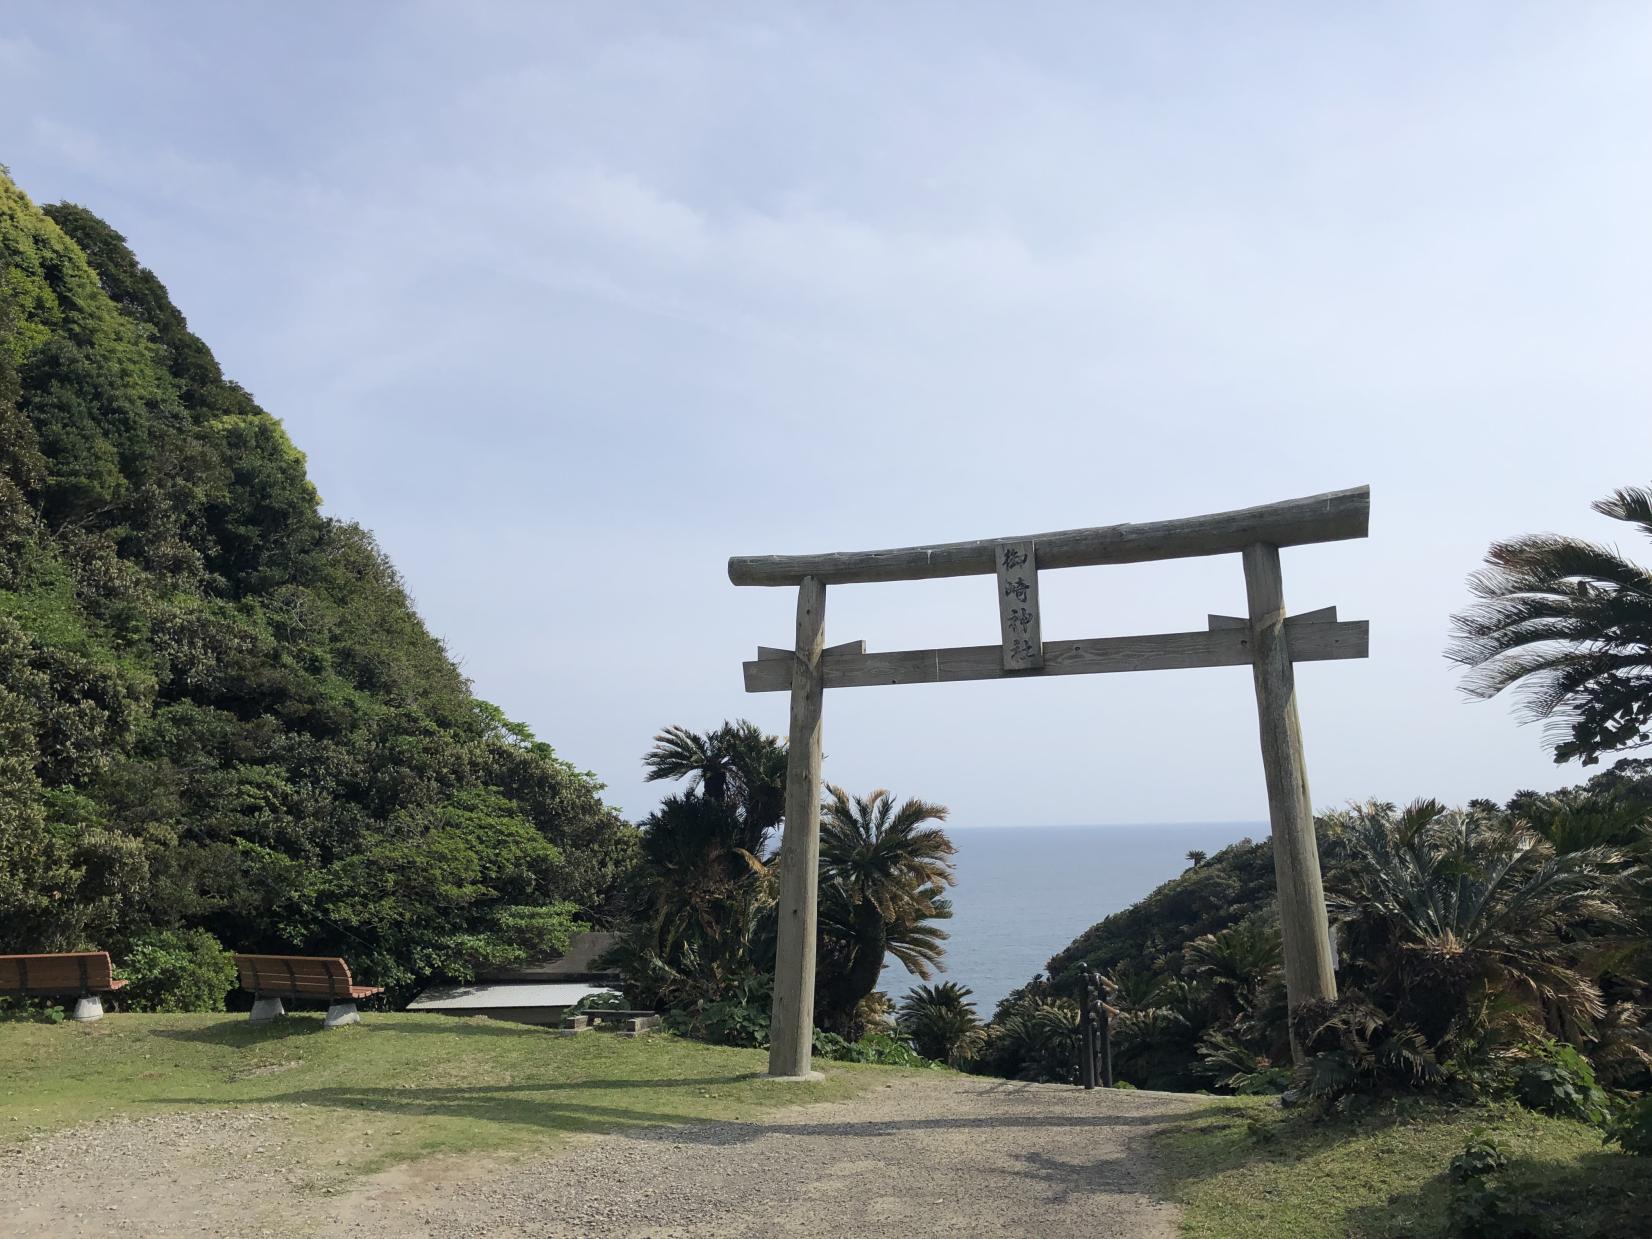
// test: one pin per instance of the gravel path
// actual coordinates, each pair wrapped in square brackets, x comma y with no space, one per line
[939,1155]
[205,1172]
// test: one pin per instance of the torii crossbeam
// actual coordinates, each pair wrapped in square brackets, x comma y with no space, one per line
[1267,639]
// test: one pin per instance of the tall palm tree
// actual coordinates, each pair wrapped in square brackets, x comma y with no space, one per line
[736,764]
[941,1022]
[1444,910]
[884,870]
[1570,623]
[704,893]
[701,896]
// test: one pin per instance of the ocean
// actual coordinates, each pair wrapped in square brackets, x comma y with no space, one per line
[1025,892]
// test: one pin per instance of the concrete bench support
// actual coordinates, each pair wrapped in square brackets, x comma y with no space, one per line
[266,1009]
[573,1025]
[340,1014]
[89,1008]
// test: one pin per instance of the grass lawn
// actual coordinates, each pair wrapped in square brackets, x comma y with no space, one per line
[393,1088]
[1244,1167]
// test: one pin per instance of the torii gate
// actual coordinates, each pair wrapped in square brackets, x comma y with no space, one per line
[1267,640]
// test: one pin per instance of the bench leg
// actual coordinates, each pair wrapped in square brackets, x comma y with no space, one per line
[266,1009]
[340,1014]
[88,1009]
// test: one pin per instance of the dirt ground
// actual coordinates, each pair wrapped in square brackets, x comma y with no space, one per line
[935,1155]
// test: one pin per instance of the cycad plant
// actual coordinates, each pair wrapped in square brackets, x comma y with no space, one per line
[1032,1037]
[1450,915]
[701,919]
[1232,1064]
[701,899]
[735,764]
[1570,623]
[884,868]
[1236,962]
[941,1022]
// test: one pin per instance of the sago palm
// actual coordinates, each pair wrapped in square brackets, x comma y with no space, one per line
[941,1022]
[1442,909]
[702,899]
[1568,622]
[736,764]
[884,866]
[1237,961]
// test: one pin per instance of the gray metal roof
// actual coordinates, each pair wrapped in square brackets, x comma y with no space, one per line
[490,995]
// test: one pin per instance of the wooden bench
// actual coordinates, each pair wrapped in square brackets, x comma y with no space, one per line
[636,1022]
[84,975]
[271,979]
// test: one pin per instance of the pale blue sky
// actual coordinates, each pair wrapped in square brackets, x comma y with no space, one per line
[569,304]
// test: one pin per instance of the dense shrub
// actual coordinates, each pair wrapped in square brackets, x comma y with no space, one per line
[604,1000]
[1480,1205]
[879,1048]
[1631,1128]
[1556,1079]
[177,970]
[741,1018]
[1033,1036]
[1352,1046]
[1232,1065]
[1480,1156]
[32,1010]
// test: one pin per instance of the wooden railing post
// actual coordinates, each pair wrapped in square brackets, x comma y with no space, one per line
[1302,920]
[1086,1032]
[1106,1033]
[791,1032]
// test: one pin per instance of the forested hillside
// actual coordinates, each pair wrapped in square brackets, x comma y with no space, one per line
[218,708]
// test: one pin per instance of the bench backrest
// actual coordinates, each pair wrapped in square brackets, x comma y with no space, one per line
[306,975]
[74,972]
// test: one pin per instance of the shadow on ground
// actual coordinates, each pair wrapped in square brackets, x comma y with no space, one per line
[543,1106]
[242,1031]
[1537,1200]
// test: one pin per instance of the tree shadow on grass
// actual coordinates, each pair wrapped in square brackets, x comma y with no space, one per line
[1065,1180]
[535,1106]
[235,1033]
[1232,1134]
[242,1031]
[1604,1195]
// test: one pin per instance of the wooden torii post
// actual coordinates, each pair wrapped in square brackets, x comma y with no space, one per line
[1266,638]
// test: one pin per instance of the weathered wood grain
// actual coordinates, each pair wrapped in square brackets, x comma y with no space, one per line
[1329,517]
[1226,647]
[791,1041]
[1325,615]
[845,647]
[1017,566]
[1309,974]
